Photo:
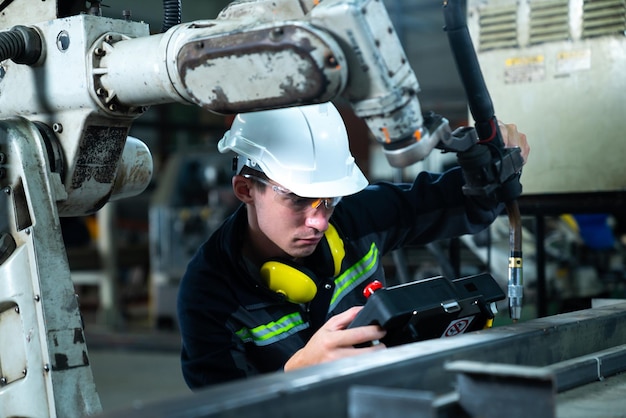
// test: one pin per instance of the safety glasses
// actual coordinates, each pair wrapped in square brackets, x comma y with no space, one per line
[293,201]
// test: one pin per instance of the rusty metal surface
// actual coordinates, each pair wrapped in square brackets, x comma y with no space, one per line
[134,171]
[310,70]
[91,175]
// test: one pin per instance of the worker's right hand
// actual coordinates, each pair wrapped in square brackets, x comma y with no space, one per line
[514,138]
[334,341]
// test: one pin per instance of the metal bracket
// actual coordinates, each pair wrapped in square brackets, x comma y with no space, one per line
[486,389]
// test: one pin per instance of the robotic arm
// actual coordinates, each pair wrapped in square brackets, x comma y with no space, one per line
[282,55]
[93,76]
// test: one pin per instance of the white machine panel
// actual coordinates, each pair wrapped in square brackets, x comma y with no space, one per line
[556,69]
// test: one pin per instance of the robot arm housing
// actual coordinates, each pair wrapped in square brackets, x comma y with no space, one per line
[96,75]
[276,54]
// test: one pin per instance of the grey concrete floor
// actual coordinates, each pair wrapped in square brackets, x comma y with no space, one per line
[131,369]
[127,379]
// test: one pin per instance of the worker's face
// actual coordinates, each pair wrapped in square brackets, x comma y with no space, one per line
[291,224]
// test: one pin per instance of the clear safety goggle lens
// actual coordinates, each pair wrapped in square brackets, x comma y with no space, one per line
[297,203]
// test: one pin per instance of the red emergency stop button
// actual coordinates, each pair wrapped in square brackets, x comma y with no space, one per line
[371,288]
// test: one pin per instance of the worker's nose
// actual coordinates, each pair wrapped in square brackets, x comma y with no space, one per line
[317,218]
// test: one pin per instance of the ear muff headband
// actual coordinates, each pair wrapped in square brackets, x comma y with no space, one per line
[337,251]
[295,282]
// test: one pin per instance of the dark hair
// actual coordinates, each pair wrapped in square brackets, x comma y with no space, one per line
[252,173]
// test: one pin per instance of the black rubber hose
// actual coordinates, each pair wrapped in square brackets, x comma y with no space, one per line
[21,44]
[172,12]
[478,98]
[11,45]
[481,107]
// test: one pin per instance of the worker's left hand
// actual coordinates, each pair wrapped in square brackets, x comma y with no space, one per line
[513,138]
[334,341]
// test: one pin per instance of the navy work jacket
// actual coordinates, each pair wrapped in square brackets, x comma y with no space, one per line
[232,326]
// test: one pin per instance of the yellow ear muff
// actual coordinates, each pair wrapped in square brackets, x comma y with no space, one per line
[335,244]
[296,282]
[296,285]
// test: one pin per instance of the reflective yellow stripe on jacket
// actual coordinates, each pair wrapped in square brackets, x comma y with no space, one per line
[355,275]
[290,324]
[273,331]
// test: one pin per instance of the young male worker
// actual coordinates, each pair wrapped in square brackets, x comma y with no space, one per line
[275,287]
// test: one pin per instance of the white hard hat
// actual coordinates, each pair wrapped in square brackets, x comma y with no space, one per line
[304,149]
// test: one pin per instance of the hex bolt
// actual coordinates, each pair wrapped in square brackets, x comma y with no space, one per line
[46,367]
[99,52]
[17,309]
[3,381]
[37,298]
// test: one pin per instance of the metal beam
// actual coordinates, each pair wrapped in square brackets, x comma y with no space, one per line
[324,389]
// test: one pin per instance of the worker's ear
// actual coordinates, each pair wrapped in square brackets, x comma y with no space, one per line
[242,187]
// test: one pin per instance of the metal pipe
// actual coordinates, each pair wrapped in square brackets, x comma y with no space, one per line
[516,283]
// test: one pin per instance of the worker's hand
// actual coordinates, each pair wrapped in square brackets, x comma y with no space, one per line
[333,341]
[513,138]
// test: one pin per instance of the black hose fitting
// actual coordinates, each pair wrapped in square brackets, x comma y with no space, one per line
[172,14]
[21,44]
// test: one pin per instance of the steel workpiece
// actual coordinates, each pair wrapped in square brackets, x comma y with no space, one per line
[419,366]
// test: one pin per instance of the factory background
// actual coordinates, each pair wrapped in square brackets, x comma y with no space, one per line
[561,85]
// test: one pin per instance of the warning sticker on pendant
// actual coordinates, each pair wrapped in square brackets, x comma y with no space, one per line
[458,326]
